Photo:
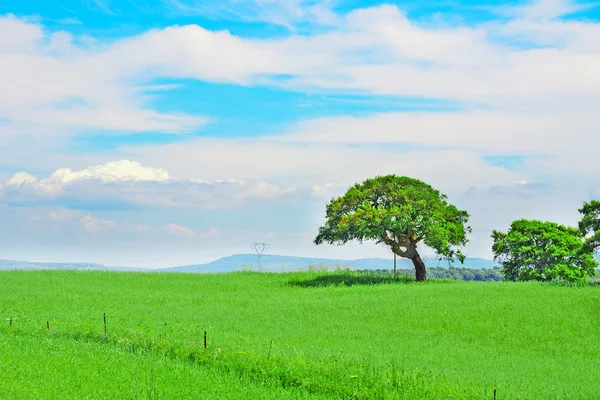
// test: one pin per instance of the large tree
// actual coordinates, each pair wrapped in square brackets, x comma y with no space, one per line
[400,212]
[543,251]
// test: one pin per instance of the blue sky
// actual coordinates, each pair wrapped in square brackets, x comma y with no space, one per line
[179,131]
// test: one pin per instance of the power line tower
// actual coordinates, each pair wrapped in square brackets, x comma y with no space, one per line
[259,248]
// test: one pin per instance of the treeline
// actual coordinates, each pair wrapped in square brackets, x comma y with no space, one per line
[464,274]
[460,274]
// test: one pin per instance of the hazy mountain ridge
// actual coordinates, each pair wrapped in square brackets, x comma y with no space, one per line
[271,262]
[6,265]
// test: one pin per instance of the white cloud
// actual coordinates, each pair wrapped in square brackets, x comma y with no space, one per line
[123,170]
[92,224]
[51,83]
[178,229]
[62,214]
[577,37]
[129,183]
[545,9]
[497,131]
[20,178]
[454,170]
[118,171]
[266,190]
[17,34]
[286,13]
[141,227]
[523,188]
[51,80]
[329,189]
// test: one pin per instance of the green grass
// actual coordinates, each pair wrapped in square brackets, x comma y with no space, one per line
[294,335]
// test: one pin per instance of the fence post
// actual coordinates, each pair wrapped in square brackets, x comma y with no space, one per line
[270,347]
[204,339]
[105,323]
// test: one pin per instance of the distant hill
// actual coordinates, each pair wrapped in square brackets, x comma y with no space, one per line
[272,262]
[29,266]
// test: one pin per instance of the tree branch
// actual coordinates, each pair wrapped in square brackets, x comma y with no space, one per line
[396,246]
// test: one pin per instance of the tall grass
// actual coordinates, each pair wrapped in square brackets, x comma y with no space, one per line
[304,335]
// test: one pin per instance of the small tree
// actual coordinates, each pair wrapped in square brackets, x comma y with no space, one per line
[543,251]
[400,212]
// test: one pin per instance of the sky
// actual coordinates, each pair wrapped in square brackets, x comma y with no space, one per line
[171,132]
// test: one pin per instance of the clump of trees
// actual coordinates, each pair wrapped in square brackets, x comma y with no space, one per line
[468,274]
[455,273]
[403,212]
[543,251]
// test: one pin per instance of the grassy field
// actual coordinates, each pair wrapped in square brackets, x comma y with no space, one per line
[294,335]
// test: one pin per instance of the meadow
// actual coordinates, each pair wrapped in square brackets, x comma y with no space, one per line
[301,335]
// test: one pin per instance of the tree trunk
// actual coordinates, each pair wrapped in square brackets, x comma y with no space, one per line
[420,271]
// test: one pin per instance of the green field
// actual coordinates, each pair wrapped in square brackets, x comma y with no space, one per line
[294,335]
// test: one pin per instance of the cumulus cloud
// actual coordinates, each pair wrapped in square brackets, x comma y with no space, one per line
[64,178]
[116,171]
[20,178]
[127,183]
[17,34]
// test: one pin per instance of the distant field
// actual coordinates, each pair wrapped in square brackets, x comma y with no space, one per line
[294,335]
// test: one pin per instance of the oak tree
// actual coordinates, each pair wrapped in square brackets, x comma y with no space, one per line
[400,212]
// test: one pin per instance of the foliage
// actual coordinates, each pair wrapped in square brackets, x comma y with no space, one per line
[339,341]
[589,225]
[467,274]
[400,212]
[538,250]
[454,273]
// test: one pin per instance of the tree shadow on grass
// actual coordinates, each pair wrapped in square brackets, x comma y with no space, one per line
[349,280]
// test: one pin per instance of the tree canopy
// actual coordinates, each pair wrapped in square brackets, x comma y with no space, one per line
[539,250]
[589,226]
[400,212]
